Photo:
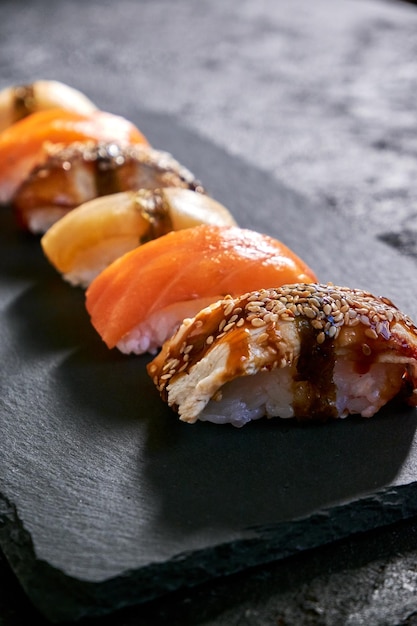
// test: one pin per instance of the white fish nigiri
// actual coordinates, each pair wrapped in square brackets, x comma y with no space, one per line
[19,101]
[90,237]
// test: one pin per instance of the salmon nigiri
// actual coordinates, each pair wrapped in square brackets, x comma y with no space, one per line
[23,145]
[141,298]
[86,240]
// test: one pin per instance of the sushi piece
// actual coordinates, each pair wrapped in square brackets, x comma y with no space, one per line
[19,101]
[90,237]
[304,351]
[141,298]
[82,171]
[24,144]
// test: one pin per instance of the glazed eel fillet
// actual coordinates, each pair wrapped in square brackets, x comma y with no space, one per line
[304,351]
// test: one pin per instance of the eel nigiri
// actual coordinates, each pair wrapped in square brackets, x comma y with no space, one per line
[81,171]
[137,302]
[308,351]
[90,237]
[19,101]
[23,145]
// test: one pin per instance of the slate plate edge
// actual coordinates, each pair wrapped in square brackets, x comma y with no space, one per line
[60,597]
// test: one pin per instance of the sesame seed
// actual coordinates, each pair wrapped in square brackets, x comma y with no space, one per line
[263,337]
[321,337]
[317,324]
[371,333]
[257,322]
[332,331]
[308,312]
[229,308]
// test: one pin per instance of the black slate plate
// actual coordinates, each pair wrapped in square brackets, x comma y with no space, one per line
[106,499]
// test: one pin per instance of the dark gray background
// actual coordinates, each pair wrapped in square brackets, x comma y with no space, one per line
[322,100]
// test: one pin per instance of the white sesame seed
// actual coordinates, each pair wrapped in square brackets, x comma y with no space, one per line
[371,333]
[332,331]
[321,337]
[257,322]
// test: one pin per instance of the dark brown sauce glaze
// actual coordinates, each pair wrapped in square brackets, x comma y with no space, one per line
[201,339]
[363,358]
[106,174]
[23,101]
[155,210]
[314,391]
[119,169]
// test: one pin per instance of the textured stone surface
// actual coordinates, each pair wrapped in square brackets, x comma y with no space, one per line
[319,103]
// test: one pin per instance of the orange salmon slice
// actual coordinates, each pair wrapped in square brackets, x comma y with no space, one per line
[200,262]
[24,144]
